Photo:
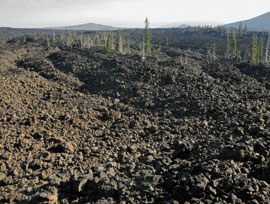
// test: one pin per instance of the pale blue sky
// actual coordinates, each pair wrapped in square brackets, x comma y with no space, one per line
[126,13]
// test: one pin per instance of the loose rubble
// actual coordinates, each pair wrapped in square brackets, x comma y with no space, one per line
[86,126]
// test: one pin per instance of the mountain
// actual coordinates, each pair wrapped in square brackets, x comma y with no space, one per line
[86,27]
[4,29]
[186,24]
[261,22]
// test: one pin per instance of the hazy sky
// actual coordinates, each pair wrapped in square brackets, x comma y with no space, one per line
[132,13]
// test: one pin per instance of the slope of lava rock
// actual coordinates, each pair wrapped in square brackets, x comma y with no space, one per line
[86,126]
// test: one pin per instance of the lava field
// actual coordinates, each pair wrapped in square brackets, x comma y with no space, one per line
[87,126]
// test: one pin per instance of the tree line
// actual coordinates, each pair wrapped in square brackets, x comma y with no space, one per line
[257,48]
[254,50]
[118,41]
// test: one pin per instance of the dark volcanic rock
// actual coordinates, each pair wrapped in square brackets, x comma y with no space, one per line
[87,126]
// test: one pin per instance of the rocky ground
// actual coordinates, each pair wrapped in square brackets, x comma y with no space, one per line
[86,126]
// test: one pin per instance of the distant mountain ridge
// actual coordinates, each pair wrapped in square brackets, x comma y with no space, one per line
[86,27]
[186,24]
[261,22]
[5,29]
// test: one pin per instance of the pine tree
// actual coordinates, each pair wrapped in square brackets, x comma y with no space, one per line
[109,43]
[100,40]
[127,44]
[71,40]
[267,49]
[53,38]
[62,38]
[143,50]
[260,50]
[68,40]
[84,40]
[254,50]
[234,51]
[228,46]
[119,42]
[35,37]
[112,34]
[240,29]
[147,37]
[81,40]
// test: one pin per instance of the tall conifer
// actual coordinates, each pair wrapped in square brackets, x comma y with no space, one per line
[228,46]
[254,49]
[109,43]
[119,42]
[147,37]
[234,51]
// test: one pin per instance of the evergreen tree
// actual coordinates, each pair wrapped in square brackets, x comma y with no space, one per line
[62,38]
[254,50]
[127,44]
[71,40]
[214,50]
[67,39]
[260,50]
[119,42]
[35,37]
[143,50]
[109,43]
[234,51]
[84,40]
[228,46]
[53,38]
[81,40]
[112,34]
[147,37]
[240,29]
[100,40]
[267,49]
